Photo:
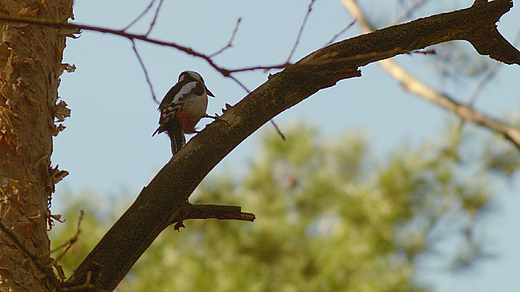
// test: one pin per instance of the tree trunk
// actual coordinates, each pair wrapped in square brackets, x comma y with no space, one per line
[30,58]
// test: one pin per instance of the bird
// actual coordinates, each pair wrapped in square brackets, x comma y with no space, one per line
[182,108]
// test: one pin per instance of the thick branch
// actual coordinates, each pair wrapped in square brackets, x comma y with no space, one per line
[164,197]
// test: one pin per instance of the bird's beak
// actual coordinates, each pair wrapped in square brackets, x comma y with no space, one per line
[209,92]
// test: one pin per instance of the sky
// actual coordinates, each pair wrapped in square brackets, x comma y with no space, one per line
[108,146]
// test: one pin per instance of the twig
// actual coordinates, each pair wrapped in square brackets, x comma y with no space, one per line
[278,130]
[482,83]
[301,31]
[152,24]
[145,71]
[240,83]
[230,43]
[334,38]
[356,13]
[140,16]
[69,242]
[272,121]
[409,11]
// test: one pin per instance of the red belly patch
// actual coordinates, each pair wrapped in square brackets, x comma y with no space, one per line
[188,125]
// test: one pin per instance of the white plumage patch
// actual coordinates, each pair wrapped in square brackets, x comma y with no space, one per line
[185,90]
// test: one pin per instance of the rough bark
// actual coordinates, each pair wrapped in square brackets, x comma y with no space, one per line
[164,197]
[30,58]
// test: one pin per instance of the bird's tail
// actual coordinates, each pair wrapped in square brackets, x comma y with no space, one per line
[177,139]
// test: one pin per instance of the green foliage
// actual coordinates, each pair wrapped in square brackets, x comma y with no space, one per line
[329,218]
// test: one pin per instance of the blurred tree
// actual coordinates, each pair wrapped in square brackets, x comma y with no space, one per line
[330,218]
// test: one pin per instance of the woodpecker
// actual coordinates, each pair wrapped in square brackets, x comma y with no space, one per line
[182,108]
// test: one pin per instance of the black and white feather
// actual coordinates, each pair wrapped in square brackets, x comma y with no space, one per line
[182,107]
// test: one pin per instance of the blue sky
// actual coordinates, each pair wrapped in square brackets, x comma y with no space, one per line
[108,147]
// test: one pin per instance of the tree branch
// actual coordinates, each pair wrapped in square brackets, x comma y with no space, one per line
[207,211]
[70,28]
[164,197]
[414,85]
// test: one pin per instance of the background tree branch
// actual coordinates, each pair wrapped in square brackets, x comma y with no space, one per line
[163,198]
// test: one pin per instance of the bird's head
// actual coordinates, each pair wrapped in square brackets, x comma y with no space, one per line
[192,75]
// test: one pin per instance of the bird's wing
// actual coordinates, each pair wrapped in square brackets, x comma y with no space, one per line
[178,93]
[172,103]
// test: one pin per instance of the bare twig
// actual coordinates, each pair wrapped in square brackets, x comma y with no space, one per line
[278,130]
[240,83]
[152,24]
[301,31]
[272,120]
[67,245]
[140,16]
[493,70]
[145,71]
[409,11]
[334,38]
[230,43]
[354,10]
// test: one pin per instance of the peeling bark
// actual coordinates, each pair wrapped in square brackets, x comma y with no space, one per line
[30,58]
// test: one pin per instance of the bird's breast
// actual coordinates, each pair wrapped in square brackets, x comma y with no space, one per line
[193,110]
